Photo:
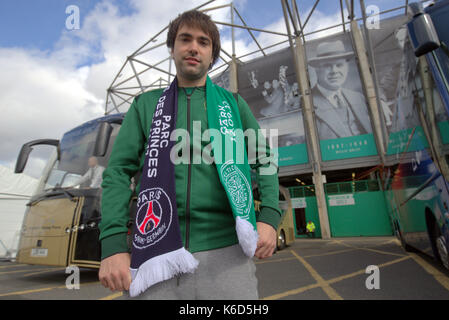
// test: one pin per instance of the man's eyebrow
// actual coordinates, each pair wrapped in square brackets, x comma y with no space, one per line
[188,35]
[185,34]
[205,38]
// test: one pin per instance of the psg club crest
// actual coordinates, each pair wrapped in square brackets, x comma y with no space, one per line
[153,217]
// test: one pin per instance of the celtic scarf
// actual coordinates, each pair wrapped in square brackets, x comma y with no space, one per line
[157,252]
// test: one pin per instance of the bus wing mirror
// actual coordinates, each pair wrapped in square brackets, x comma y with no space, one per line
[102,142]
[104,134]
[422,33]
[26,150]
[22,158]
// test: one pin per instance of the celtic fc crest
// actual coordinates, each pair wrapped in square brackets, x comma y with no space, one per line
[238,187]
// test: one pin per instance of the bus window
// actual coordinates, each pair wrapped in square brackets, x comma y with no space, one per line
[76,151]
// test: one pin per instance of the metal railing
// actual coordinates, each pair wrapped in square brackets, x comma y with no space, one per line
[336,188]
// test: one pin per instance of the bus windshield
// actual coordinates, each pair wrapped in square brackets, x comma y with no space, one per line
[76,151]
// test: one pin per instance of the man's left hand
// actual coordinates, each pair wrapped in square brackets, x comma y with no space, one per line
[267,240]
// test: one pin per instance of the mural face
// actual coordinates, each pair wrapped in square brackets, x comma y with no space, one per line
[341,111]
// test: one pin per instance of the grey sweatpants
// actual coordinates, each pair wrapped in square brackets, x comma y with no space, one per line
[222,274]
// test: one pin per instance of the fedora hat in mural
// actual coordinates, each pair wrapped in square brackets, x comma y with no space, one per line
[327,51]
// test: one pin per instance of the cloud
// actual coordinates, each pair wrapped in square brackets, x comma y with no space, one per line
[320,21]
[46,93]
[40,100]
[267,39]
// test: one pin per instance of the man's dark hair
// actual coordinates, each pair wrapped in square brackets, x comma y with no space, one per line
[194,18]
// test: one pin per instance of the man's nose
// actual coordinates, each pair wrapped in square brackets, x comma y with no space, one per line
[193,47]
[334,68]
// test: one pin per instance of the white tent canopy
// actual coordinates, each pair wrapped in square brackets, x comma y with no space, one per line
[15,192]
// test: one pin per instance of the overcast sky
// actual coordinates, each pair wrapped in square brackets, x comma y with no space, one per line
[53,78]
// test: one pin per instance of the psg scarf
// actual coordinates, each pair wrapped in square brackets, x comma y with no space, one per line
[157,252]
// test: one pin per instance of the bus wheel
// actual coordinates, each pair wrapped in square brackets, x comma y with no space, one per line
[281,240]
[442,250]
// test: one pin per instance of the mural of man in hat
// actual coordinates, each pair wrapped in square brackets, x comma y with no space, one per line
[340,112]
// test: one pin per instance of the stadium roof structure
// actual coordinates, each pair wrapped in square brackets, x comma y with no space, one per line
[150,66]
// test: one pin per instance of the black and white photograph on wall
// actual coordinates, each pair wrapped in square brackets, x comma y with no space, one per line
[405,115]
[396,70]
[269,86]
[222,79]
[340,105]
[387,59]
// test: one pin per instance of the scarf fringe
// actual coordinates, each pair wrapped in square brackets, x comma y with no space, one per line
[161,268]
[247,236]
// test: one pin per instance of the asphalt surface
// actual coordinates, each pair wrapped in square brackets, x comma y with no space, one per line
[337,270]
[313,269]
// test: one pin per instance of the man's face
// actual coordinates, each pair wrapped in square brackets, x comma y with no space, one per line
[332,74]
[192,53]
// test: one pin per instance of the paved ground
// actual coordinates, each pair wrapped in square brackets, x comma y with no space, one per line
[337,269]
[308,269]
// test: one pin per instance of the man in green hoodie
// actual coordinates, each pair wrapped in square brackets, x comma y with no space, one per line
[205,217]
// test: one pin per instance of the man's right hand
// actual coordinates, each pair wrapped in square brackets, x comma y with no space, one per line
[114,272]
